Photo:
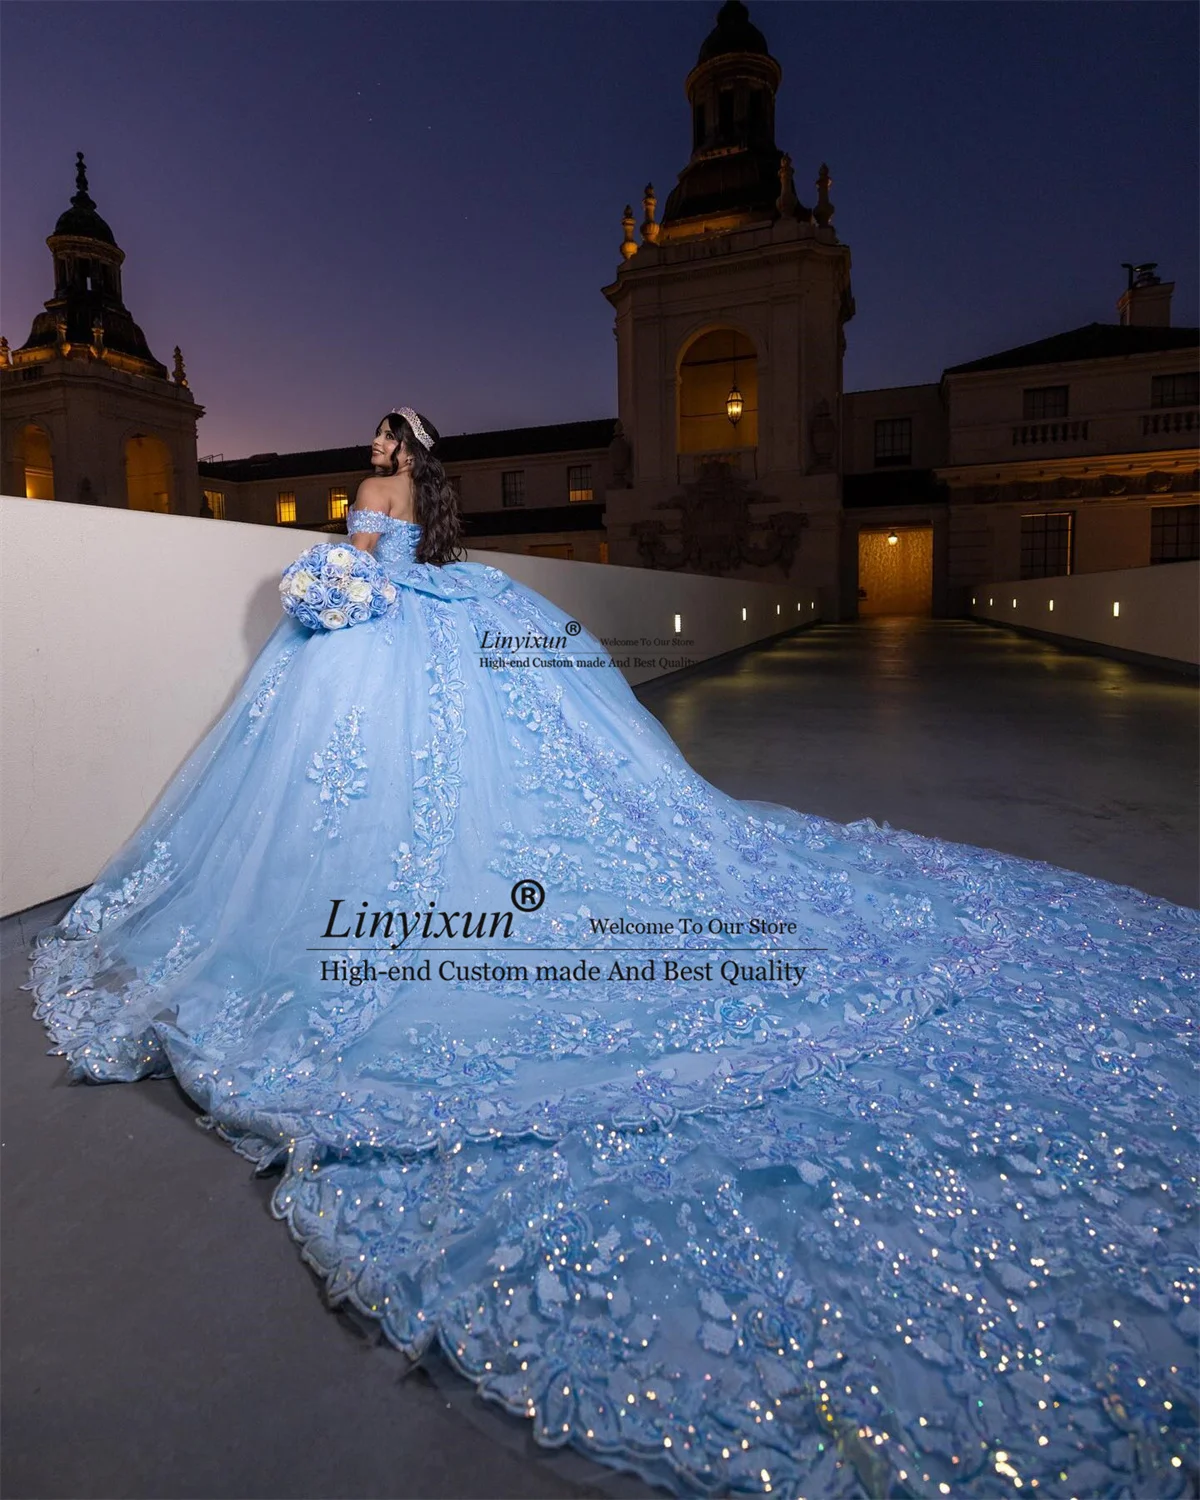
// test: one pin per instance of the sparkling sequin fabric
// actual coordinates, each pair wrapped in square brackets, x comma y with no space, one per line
[920,1224]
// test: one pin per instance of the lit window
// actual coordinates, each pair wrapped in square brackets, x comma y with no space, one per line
[285,507]
[579,482]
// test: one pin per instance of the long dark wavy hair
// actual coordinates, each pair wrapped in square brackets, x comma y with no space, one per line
[434,497]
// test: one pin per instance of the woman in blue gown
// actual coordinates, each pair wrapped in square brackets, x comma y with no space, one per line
[854,1163]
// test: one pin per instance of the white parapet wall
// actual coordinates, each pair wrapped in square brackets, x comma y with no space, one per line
[1149,612]
[124,635]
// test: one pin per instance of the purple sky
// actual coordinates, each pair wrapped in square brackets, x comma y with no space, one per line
[334,208]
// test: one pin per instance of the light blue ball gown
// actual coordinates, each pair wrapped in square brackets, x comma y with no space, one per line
[918,1221]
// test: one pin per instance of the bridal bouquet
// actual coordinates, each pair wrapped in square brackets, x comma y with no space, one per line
[331,586]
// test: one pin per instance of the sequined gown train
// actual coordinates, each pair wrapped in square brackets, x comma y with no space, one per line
[919,1221]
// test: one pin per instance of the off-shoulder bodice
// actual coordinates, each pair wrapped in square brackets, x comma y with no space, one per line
[397,552]
[398,539]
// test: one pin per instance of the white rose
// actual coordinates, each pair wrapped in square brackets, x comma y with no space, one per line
[332,619]
[339,557]
[389,592]
[302,582]
[358,590]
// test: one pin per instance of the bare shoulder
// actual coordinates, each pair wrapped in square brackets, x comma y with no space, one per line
[373,494]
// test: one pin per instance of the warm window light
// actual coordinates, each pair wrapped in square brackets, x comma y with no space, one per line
[892,538]
[990,601]
[1051,603]
[779,609]
[1014,604]
[812,604]
[797,606]
[972,598]
[678,624]
[1116,607]
[743,611]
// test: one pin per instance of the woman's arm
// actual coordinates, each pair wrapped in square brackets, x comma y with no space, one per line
[366,497]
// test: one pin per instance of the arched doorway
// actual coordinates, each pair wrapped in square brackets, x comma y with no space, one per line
[707,372]
[34,463]
[895,570]
[147,473]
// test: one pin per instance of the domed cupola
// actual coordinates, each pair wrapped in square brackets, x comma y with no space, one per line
[733,177]
[81,218]
[86,317]
[734,32]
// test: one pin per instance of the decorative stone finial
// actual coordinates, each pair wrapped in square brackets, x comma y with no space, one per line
[649,227]
[787,203]
[5,353]
[178,376]
[824,209]
[81,198]
[629,245]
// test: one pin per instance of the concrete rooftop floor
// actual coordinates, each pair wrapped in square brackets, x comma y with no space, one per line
[162,1337]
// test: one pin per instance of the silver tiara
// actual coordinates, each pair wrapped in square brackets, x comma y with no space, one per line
[414,422]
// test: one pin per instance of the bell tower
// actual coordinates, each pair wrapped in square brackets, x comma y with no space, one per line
[89,415]
[730,338]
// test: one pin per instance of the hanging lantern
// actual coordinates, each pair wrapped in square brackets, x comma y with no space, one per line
[733,403]
[892,538]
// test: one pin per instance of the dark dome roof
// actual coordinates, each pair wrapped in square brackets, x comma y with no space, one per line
[732,33]
[81,220]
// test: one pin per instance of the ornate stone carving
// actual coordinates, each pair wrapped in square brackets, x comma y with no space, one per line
[620,460]
[822,435]
[716,532]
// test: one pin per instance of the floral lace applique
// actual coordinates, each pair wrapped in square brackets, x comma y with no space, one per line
[337,768]
[266,693]
[438,779]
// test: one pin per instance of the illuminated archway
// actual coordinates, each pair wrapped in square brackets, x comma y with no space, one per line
[895,578]
[34,462]
[707,372]
[147,473]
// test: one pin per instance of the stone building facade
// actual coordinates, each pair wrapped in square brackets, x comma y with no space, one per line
[735,449]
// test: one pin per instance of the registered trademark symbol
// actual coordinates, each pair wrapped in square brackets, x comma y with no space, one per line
[528,895]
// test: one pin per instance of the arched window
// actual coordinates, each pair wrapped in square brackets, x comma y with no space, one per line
[706,374]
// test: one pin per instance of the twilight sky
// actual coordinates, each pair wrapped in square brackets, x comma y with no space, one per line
[335,208]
